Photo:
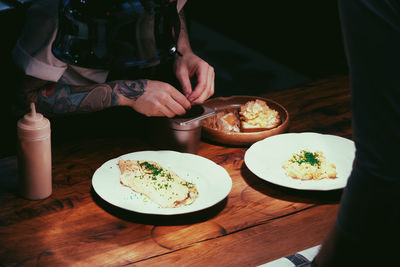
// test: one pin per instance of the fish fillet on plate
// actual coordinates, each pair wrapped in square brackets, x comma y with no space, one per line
[161,185]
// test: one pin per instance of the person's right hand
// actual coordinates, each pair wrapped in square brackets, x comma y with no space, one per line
[151,98]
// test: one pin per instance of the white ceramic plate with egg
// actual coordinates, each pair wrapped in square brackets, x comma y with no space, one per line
[264,158]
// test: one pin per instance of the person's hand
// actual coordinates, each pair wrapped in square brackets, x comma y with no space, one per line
[191,67]
[151,98]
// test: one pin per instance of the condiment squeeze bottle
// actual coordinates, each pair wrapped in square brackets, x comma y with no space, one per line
[34,155]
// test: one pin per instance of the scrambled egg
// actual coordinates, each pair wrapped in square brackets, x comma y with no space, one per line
[257,114]
[309,166]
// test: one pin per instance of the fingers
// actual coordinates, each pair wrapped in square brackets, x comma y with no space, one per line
[177,103]
[168,106]
[171,102]
[168,109]
[165,112]
[160,99]
[184,79]
[205,87]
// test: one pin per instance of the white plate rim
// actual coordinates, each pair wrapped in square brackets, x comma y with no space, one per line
[281,179]
[105,180]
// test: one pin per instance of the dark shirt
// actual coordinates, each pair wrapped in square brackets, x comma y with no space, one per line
[369,213]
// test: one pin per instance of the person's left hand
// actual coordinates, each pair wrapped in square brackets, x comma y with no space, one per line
[191,67]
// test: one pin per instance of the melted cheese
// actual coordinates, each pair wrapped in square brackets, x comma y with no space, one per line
[162,186]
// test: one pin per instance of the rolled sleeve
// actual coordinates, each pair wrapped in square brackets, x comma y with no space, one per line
[35,67]
[32,52]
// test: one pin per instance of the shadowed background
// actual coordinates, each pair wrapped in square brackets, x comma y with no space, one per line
[254,49]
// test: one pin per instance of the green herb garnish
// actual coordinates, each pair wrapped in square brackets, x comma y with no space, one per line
[306,157]
[151,167]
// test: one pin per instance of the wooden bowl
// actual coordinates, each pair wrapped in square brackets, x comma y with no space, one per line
[242,139]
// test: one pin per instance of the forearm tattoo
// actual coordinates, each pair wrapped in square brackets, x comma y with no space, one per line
[129,89]
[59,99]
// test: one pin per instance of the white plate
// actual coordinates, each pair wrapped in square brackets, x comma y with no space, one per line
[264,158]
[212,181]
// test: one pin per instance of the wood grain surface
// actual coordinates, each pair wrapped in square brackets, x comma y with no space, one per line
[257,222]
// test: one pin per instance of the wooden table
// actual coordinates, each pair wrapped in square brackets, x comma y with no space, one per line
[257,222]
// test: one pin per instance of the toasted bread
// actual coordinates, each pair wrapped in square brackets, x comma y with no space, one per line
[226,120]
[229,122]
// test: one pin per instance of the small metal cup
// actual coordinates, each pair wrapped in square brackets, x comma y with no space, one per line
[181,133]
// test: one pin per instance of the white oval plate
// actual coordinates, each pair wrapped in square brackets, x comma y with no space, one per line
[212,181]
[264,158]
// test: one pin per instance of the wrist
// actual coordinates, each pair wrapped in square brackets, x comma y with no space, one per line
[126,92]
[183,50]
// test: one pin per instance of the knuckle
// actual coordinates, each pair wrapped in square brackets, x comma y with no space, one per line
[179,72]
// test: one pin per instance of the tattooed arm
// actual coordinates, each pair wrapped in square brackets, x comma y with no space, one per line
[151,98]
